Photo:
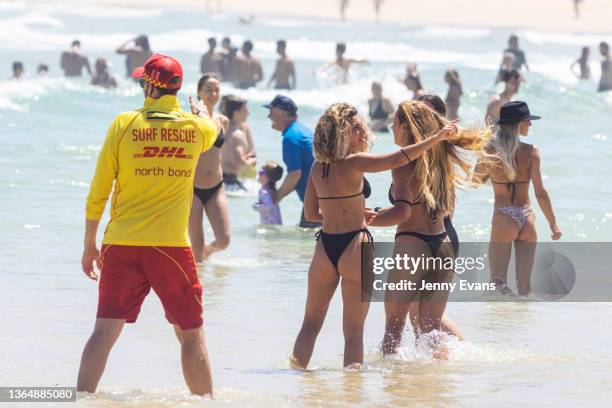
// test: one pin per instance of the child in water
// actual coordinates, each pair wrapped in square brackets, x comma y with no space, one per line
[269,212]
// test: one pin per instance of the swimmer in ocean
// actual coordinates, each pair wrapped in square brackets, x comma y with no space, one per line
[284,74]
[343,63]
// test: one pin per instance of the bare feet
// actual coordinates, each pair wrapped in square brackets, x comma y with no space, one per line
[440,352]
[295,364]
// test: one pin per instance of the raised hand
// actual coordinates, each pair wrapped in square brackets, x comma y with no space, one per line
[449,131]
[198,108]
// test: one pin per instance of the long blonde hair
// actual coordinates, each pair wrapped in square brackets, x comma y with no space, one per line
[436,170]
[332,136]
[506,143]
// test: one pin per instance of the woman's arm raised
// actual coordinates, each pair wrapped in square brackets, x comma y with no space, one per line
[371,163]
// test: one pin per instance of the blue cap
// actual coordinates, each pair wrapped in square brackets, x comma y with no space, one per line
[283,102]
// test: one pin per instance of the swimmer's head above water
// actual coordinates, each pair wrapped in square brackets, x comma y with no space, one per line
[18,69]
[340,131]
[377,89]
[340,49]
[281,47]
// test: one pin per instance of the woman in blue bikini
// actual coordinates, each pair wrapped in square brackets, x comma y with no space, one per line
[512,165]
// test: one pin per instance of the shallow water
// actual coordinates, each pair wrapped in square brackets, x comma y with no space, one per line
[51,131]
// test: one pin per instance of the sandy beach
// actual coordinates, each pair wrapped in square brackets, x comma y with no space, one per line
[547,15]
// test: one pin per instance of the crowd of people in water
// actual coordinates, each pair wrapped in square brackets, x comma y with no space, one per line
[241,68]
[326,168]
[146,242]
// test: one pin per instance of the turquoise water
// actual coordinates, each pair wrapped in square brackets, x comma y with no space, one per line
[51,131]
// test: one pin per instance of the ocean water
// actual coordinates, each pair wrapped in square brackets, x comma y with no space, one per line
[51,130]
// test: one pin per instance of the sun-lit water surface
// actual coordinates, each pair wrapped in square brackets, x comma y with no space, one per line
[51,132]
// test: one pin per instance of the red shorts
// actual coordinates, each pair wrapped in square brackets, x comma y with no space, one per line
[129,272]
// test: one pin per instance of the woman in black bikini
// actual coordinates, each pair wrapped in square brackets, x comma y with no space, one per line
[511,166]
[380,109]
[335,196]
[208,191]
[422,193]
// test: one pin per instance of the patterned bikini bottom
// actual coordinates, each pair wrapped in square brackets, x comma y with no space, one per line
[519,214]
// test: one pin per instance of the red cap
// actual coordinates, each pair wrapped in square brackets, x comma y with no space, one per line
[161,71]
[137,73]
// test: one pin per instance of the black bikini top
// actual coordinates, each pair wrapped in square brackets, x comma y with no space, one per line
[366,190]
[511,186]
[393,201]
[220,140]
[379,112]
[434,217]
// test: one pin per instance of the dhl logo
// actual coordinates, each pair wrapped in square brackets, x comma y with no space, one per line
[166,151]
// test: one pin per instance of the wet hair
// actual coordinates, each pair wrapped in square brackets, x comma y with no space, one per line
[206,77]
[281,44]
[510,74]
[341,47]
[332,136]
[274,172]
[247,46]
[42,68]
[437,171]
[434,102]
[232,105]
[506,143]
[143,41]
[17,65]
[76,43]
[226,40]
[212,42]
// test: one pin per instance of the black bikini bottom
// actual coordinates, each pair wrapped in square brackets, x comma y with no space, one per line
[433,241]
[335,244]
[204,194]
[452,235]
[231,180]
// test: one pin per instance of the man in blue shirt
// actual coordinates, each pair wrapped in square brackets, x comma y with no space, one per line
[297,150]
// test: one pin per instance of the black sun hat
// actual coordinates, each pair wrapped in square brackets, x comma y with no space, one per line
[516,111]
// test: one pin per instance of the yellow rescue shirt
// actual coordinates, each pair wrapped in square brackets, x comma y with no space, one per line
[150,155]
